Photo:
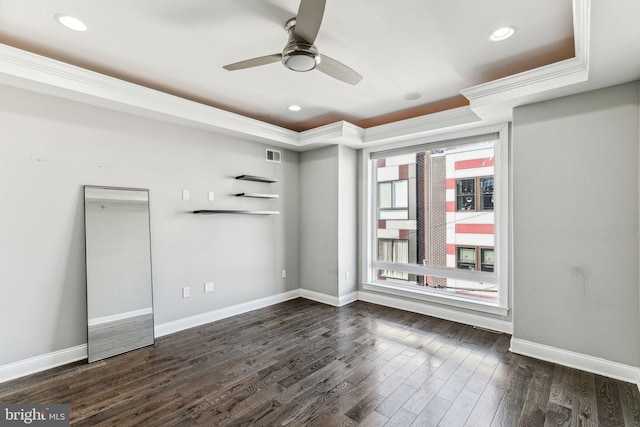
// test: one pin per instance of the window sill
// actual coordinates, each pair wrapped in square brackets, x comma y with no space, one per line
[436,297]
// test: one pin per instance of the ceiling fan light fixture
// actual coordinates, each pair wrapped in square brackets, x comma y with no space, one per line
[70,22]
[502,33]
[300,59]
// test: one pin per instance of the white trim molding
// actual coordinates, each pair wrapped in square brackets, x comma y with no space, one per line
[341,132]
[329,299]
[429,295]
[222,313]
[348,299]
[423,126]
[43,362]
[44,75]
[584,362]
[453,315]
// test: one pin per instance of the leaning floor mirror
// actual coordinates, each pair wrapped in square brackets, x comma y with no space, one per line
[118,257]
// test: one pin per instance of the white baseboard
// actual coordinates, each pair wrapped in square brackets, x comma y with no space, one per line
[43,362]
[329,299]
[348,298]
[439,312]
[119,316]
[211,316]
[551,354]
[580,361]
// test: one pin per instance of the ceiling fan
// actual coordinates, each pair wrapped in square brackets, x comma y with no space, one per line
[300,54]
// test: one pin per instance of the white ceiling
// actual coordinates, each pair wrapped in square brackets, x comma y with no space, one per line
[433,47]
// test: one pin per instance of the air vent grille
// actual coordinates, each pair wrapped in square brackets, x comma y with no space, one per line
[273,156]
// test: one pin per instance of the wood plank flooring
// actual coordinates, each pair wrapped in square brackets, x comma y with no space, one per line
[302,363]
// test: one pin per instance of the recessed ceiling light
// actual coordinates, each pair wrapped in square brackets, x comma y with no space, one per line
[295,108]
[502,33]
[412,96]
[71,22]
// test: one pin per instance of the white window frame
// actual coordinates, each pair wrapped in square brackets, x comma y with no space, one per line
[502,229]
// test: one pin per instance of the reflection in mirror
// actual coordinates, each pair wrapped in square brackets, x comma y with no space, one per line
[118,255]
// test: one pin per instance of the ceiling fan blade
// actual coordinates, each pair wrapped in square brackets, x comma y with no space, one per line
[255,62]
[309,18]
[338,70]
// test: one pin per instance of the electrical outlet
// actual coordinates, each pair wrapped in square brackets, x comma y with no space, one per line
[208,287]
[211,196]
[185,292]
[347,275]
[284,274]
[185,194]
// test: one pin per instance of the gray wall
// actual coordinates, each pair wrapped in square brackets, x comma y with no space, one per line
[576,281]
[50,147]
[319,220]
[328,212]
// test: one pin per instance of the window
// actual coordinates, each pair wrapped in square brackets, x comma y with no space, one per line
[435,226]
[487,259]
[486,193]
[393,199]
[466,194]
[466,190]
[467,259]
[393,250]
[474,258]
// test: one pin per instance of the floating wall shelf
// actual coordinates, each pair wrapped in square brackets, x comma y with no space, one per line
[234,211]
[258,195]
[255,178]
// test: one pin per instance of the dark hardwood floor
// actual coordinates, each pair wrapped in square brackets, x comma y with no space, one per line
[302,363]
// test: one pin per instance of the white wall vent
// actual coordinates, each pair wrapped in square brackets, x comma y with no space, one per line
[273,156]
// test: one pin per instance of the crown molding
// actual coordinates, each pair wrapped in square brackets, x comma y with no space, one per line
[490,103]
[430,124]
[341,132]
[531,82]
[41,74]
[496,99]
[44,75]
